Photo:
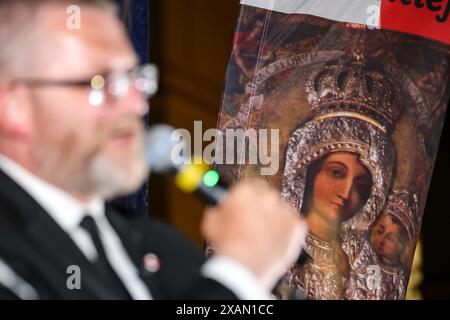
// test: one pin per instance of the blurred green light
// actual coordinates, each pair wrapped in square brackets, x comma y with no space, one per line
[211,178]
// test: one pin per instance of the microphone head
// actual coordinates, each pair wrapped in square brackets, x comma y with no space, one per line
[158,146]
[168,152]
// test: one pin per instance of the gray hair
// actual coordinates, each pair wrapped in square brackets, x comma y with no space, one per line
[19,30]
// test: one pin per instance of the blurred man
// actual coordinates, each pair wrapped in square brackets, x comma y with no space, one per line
[70,138]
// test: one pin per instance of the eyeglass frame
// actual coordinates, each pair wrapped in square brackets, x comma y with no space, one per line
[100,85]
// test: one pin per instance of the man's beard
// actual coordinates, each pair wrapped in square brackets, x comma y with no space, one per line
[96,174]
[107,180]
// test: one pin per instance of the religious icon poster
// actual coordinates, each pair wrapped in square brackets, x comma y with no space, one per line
[357,91]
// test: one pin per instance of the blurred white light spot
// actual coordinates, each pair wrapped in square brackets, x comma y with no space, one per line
[96,98]
[119,87]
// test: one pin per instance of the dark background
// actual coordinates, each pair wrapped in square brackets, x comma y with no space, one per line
[436,225]
[136,16]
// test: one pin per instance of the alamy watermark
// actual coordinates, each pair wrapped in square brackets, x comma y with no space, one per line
[373,21]
[74,277]
[234,146]
[73,21]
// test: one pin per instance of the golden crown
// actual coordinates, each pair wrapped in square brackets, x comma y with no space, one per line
[355,89]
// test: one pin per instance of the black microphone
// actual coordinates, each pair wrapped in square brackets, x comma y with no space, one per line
[160,150]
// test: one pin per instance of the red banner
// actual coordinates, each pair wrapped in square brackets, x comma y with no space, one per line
[428,18]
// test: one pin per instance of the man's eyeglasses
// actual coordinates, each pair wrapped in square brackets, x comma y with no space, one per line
[114,86]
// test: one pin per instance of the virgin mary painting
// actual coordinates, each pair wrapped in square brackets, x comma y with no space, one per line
[339,168]
[358,120]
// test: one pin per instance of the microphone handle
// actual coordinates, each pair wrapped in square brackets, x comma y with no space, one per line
[214,196]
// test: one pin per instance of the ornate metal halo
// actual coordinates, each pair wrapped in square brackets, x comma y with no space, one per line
[320,137]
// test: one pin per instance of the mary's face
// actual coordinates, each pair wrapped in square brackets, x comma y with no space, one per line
[340,187]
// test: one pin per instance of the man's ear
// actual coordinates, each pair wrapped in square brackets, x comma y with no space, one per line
[16,112]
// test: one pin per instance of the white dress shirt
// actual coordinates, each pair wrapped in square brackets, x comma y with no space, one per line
[68,213]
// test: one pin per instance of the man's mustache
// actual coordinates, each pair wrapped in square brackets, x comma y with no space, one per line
[124,127]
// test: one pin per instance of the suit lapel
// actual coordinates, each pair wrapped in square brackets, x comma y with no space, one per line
[132,240]
[49,242]
[50,239]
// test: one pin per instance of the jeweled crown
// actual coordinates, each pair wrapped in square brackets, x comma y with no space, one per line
[355,89]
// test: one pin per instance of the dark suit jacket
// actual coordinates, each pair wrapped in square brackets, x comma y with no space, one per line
[33,245]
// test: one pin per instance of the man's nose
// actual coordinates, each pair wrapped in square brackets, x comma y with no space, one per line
[132,102]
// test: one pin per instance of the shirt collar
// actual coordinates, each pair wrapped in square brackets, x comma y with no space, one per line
[62,207]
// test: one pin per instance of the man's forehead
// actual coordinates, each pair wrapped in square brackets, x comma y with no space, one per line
[101,41]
